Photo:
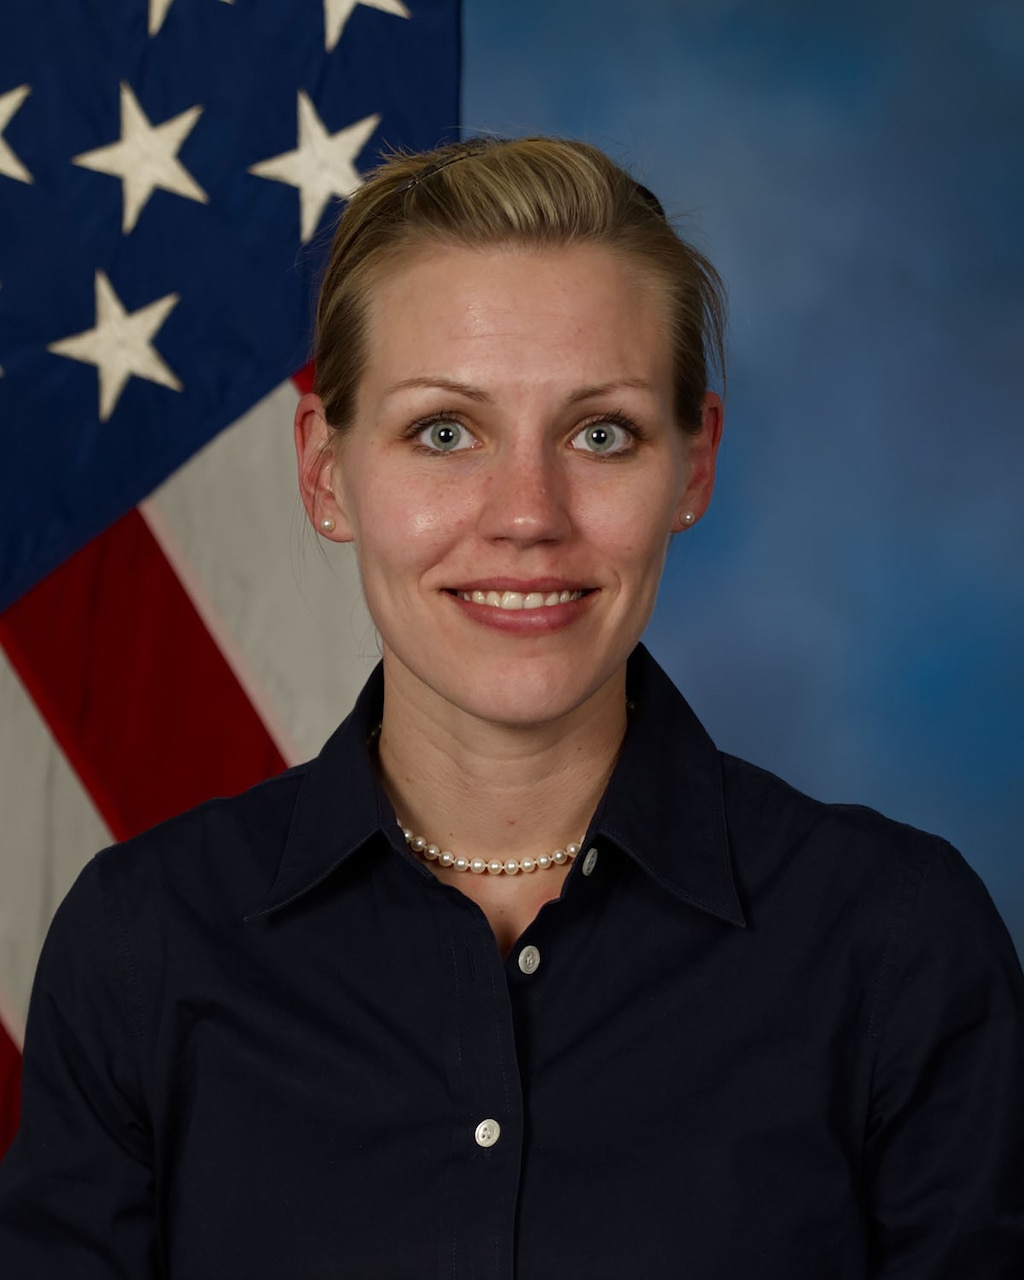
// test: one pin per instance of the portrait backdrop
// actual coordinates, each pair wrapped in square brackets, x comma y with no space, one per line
[850,613]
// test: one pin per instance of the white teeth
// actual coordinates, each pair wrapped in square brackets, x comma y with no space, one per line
[517,600]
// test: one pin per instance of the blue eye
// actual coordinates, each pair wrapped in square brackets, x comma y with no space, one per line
[445,436]
[603,437]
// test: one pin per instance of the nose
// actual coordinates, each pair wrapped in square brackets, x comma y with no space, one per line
[526,498]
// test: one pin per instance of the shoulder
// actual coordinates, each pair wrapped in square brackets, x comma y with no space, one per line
[909,897]
[223,854]
[765,813]
[135,904]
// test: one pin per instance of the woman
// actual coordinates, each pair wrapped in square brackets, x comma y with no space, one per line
[520,977]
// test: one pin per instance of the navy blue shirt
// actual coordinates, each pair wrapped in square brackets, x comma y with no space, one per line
[763,1039]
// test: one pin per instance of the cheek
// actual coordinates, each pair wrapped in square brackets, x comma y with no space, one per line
[632,528]
[428,524]
[431,511]
[400,527]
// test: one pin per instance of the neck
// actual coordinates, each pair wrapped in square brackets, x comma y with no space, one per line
[492,790]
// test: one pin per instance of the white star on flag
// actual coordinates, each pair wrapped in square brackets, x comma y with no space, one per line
[10,165]
[121,344]
[336,14]
[157,13]
[321,166]
[146,157]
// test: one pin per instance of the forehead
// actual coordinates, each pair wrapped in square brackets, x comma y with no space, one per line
[580,311]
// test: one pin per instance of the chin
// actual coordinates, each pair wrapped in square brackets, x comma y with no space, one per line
[522,682]
[529,693]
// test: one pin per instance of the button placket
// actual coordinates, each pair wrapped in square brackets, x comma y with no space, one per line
[478,1214]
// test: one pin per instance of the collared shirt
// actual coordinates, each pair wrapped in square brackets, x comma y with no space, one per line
[756,1038]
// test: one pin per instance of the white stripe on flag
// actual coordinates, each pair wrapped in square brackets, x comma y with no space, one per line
[50,830]
[284,605]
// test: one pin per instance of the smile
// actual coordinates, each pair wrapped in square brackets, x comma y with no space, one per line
[519,600]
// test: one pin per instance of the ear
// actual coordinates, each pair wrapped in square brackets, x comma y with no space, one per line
[703,448]
[314,451]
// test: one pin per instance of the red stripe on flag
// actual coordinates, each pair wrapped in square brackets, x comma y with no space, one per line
[10,1088]
[134,689]
[304,378]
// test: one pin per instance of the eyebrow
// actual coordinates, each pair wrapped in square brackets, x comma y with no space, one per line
[475,393]
[442,384]
[605,388]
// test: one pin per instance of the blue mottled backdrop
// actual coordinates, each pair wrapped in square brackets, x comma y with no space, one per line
[851,612]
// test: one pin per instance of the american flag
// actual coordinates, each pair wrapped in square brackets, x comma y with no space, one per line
[169,171]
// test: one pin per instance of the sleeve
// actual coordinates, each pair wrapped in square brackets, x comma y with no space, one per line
[76,1186]
[945,1143]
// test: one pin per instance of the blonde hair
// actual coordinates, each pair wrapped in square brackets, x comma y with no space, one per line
[537,192]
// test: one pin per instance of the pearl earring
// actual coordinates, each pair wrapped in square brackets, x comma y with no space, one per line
[327,524]
[688,517]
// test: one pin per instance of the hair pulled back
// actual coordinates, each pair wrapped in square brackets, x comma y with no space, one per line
[531,192]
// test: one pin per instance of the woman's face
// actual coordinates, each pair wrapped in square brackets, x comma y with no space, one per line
[512,475]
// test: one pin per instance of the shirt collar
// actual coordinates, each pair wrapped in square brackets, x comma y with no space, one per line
[668,780]
[665,803]
[340,805]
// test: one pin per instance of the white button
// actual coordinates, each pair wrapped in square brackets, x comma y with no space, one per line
[529,959]
[487,1133]
[589,862]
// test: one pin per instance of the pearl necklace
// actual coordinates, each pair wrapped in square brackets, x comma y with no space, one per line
[496,867]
